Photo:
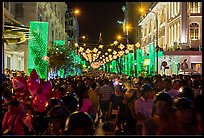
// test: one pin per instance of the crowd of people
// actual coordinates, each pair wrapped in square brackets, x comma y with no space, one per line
[151,105]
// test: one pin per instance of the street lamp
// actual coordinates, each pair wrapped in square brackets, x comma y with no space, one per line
[157,32]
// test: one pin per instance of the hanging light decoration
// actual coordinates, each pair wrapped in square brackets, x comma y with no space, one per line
[121,46]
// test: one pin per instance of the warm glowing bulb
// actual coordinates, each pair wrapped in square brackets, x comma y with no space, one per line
[119,37]
[76,11]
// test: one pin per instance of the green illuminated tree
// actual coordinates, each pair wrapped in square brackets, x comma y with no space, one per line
[60,57]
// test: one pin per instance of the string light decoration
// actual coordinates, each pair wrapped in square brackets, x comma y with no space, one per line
[37,48]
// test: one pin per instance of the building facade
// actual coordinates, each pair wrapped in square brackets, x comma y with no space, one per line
[179,29]
[71,28]
[16,55]
[131,18]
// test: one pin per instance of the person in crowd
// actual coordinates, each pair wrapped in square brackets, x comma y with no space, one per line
[137,87]
[143,107]
[94,98]
[13,119]
[57,116]
[131,119]
[85,104]
[198,100]
[167,84]
[121,115]
[79,123]
[71,102]
[105,95]
[28,121]
[115,100]
[177,84]
[186,91]
[185,114]
[162,121]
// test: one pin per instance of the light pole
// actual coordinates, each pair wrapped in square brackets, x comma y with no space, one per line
[157,39]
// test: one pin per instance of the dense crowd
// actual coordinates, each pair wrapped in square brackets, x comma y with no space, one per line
[152,105]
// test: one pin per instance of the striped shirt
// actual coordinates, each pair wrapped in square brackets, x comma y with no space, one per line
[106,92]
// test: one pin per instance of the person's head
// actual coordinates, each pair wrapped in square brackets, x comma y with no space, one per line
[167,84]
[184,110]
[106,81]
[177,84]
[146,90]
[186,91]
[52,102]
[71,102]
[57,116]
[118,89]
[79,123]
[163,104]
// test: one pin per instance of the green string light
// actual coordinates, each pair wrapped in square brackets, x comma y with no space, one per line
[37,48]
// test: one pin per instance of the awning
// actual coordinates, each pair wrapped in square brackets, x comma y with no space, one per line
[171,53]
[14,31]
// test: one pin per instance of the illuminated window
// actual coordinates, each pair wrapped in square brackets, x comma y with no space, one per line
[194,31]
[194,7]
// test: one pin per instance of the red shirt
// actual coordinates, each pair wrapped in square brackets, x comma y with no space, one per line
[18,124]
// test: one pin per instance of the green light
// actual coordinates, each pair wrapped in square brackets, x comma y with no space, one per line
[160,54]
[62,73]
[59,42]
[130,64]
[151,59]
[37,48]
[139,57]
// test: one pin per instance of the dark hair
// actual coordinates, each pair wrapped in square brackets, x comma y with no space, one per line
[163,96]
[13,103]
[167,80]
[146,87]
[183,103]
[187,92]
[79,120]
[106,81]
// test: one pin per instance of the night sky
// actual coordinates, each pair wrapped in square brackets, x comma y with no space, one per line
[96,17]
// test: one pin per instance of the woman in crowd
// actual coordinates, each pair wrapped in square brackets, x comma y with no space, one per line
[13,119]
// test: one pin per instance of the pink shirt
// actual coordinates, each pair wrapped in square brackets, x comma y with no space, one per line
[174,93]
[8,121]
[144,107]
[86,105]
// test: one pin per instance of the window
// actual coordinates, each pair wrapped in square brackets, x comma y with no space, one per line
[19,10]
[194,7]
[194,31]
[6,5]
[9,62]
[39,17]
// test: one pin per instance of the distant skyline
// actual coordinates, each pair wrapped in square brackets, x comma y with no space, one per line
[99,17]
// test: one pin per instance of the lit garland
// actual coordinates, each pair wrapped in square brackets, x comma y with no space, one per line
[37,48]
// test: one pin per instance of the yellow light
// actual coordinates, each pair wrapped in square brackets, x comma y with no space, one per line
[83,37]
[109,50]
[119,37]
[146,62]
[115,42]
[76,11]
[141,10]
[127,27]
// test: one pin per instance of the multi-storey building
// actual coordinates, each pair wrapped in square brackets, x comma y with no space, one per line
[131,19]
[179,34]
[71,28]
[16,56]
